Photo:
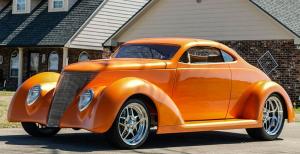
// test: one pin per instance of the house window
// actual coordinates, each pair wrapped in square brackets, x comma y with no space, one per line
[58,4]
[53,61]
[34,62]
[84,56]
[21,5]
[14,64]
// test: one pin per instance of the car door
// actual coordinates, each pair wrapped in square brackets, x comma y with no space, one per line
[203,84]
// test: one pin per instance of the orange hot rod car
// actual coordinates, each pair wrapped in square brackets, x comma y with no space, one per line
[173,84]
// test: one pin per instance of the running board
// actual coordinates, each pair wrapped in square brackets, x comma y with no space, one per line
[196,126]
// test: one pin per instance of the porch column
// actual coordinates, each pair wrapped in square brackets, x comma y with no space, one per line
[20,68]
[65,57]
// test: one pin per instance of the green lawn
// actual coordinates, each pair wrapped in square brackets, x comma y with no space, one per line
[297,111]
[5,98]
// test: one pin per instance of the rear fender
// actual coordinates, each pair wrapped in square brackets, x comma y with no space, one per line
[259,94]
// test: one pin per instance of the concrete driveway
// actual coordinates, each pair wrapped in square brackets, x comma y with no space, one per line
[69,141]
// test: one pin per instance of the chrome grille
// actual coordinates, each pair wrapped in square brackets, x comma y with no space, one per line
[68,86]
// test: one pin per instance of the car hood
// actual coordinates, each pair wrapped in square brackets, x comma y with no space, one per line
[116,64]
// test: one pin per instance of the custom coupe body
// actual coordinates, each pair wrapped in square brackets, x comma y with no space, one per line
[176,84]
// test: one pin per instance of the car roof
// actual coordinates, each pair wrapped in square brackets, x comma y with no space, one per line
[185,42]
[170,40]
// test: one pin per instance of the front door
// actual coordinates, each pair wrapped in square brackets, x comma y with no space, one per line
[203,85]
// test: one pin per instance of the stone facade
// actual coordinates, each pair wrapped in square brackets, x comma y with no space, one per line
[285,54]
[11,82]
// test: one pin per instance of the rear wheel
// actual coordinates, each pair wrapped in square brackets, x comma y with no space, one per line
[39,130]
[273,120]
[132,125]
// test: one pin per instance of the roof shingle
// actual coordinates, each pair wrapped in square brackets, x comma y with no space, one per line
[43,28]
[286,12]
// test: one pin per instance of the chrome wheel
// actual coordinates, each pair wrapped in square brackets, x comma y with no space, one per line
[272,116]
[133,124]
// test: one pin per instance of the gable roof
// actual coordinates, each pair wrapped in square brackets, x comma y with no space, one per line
[109,18]
[43,28]
[286,12]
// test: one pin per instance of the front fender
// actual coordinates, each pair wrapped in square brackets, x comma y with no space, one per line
[20,112]
[114,96]
[259,94]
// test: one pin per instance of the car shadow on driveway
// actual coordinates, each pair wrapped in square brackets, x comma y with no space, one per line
[88,142]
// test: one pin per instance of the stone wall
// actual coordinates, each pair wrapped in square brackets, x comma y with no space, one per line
[285,54]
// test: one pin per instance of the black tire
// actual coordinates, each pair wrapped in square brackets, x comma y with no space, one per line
[113,135]
[261,133]
[38,130]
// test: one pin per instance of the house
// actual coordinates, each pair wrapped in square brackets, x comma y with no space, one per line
[265,32]
[45,35]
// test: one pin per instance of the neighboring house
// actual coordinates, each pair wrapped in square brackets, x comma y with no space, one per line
[265,32]
[45,35]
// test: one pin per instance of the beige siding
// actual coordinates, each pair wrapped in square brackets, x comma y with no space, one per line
[3,3]
[210,19]
[71,3]
[34,4]
[105,22]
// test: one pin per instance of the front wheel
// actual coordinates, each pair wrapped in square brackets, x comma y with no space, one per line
[132,125]
[273,120]
[39,130]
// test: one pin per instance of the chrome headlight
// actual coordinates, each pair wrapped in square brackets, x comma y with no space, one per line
[33,94]
[85,99]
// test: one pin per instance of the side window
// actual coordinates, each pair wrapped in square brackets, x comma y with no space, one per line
[196,55]
[227,57]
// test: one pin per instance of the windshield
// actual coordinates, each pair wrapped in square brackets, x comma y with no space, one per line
[147,51]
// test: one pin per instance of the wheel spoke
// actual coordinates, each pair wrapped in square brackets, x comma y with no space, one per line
[123,133]
[127,111]
[123,125]
[132,114]
[124,118]
[132,133]
[141,120]
[128,133]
